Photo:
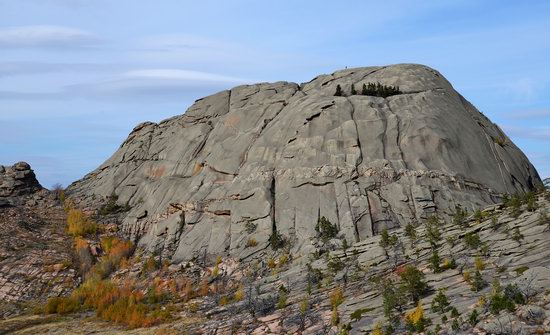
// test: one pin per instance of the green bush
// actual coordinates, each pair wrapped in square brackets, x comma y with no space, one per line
[112,207]
[250,227]
[338,92]
[517,235]
[478,283]
[472,240]
[473,318]
[276,240]
[459,217]
[325,229]
[410,232]
[335,264]
[358,314]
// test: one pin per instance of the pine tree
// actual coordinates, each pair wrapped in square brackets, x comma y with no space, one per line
[364,91]
[440,303]
[435,261]
[478,283]
[338,92]
[353,91]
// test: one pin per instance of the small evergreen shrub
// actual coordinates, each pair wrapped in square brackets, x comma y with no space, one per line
[276,240]
[338,92]
[325,229]
[440,303]
[472,240]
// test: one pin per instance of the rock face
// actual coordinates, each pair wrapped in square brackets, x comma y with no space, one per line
[243,163]
[15,181]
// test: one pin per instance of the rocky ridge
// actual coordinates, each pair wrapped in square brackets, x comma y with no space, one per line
[35,252]
[279,156]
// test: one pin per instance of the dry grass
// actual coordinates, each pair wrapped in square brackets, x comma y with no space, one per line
[122,305]
[78,224]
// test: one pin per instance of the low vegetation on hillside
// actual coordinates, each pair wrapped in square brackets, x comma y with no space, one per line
[343,288]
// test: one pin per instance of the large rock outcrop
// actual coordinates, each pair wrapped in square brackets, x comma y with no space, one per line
[16,181]
[278,156]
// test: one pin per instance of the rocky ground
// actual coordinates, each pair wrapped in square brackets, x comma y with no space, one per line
[36,258]
[522,260]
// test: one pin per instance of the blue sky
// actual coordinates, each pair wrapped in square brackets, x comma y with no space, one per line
[77,75]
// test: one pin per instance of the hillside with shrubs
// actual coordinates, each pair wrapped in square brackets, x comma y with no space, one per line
[485,271]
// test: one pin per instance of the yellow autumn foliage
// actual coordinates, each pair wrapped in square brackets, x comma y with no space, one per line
[78,224]
[417,315]
[377,329]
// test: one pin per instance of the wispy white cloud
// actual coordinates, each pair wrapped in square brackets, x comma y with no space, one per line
[178,74]
[528,114]
[165,83]
[46,36]
[173,42]
[8,69]
[536,133]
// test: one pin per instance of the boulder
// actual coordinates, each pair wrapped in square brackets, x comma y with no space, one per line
[17,180]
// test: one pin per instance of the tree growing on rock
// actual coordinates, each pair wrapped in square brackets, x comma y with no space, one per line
[393,299]
[325,229]
[304,311]
[517,235]
[459,217]
[391,242]
[433,234]
[440,303]
[435,261]
[413,282]
[478,283]
[338,92]
[410,232]
[416,321]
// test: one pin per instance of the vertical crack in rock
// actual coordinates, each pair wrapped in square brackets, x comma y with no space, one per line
[497,159]
[370,214]
[337,210]
[360,160]
[273,204]
[398,130]
[294,236]
[353,221]
[384,119]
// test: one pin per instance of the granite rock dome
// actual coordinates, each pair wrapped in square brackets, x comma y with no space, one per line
[278,156]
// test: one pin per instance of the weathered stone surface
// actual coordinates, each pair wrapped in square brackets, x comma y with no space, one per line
[15,181]
[281,155]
